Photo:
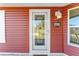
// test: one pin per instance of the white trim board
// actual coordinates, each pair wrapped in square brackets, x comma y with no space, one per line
[33,4]
[27,54]
[58,54]
[2,26]
[13,54]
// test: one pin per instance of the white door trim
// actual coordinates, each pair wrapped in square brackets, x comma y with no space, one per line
[30,29]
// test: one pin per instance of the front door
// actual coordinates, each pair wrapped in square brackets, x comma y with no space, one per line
[39,29]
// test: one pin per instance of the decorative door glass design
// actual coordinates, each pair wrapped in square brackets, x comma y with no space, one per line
[38,30]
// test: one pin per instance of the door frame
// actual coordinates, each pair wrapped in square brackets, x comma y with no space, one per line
[30,33]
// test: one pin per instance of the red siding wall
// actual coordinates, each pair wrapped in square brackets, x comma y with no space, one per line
[70,50]
[56,33]
[17,30]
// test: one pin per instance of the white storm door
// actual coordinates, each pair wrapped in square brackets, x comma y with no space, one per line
[39,30]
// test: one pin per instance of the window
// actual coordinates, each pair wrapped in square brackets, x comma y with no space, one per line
[73,26]
[2,26]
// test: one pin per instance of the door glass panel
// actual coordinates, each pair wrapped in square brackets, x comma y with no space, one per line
[39,30]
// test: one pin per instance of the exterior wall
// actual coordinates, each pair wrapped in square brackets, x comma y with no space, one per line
[56,33]
[17,29]
[69,50]
[17,34]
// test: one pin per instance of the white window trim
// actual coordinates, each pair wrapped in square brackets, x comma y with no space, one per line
[68,35]
[2,27]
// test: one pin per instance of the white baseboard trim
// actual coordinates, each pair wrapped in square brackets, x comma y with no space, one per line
[13,54]
[28,54]
[58,54]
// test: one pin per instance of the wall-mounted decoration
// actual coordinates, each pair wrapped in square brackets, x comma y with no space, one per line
[58,14]
[56,24]
[73,26]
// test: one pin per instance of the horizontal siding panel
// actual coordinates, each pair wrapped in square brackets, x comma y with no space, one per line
[15,15]
[17,36]
[17,31]
[16,12]
[17,28]
[16,22]
[23,24]
[18,39]
[16,19]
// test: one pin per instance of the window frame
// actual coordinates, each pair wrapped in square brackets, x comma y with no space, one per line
[2,27]
[68,35]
